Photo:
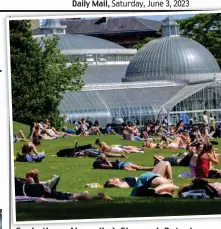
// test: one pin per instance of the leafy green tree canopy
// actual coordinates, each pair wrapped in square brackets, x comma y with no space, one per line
[205,29]
[142,43]
[39,75]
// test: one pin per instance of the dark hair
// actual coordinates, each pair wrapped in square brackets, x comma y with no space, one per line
[206,148]
[108,125]
[123,124]
[98,141]
[97,164]
[36,141]
[204,112]
[106,184]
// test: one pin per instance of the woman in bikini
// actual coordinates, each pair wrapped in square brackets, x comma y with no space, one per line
[162,168]
[103,147]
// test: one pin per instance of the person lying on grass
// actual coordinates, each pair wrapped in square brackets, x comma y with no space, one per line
[32,177]
[30,153]
[165,143]
[69,131]
[103,163]
[162,168]
[19,136]
[96,153]
[103,147]
[154,185]
[24,188]
[184,160]
[109,130]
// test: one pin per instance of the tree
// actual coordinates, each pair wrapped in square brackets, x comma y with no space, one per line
[142,43]
[39,75]
[205,29]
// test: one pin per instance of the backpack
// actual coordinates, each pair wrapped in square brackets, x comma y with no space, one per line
[201,184]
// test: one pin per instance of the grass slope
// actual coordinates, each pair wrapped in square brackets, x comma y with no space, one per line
[76,172]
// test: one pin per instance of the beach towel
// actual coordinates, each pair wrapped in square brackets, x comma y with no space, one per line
[22,199]
[185,175]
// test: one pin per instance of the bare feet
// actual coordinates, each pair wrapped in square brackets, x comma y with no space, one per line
[102,196]
[124,156]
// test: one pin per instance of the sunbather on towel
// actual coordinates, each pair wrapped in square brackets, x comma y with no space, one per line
[103,147]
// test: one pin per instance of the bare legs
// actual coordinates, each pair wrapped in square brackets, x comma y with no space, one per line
[20,136]
[164,169]
[133,167]
[115,155]
[161,184]
[87,196]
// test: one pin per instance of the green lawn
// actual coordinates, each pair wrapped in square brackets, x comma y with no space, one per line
[76,172]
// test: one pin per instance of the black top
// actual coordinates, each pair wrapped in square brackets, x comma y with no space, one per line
[185,161]
[131,181]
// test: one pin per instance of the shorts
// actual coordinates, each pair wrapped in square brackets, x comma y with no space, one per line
[174,145]
[143,184]
[122,164]
[214,174]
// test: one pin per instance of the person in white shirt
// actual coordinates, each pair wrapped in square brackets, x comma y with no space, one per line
[206,122]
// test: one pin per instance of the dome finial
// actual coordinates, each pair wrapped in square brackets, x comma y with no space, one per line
[53,26]
[170,27]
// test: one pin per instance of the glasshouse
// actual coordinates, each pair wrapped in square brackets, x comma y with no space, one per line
[170,76]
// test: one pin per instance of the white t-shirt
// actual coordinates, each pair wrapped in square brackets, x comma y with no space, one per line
[205,120]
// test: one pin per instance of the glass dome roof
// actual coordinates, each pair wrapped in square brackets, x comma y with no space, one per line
[172,57]
[71,42]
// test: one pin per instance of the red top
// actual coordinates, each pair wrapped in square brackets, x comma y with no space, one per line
[202,167]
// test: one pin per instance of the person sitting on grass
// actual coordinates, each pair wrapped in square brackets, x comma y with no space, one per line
[19,137]
[131,137]
[109,130]
[28,156]
[204,161]
[103,147]
[162,168]
[199,149]
[103,163]
[24,188]
[204,137]
[172,130]
[94,130]
[38,128]
[130,132]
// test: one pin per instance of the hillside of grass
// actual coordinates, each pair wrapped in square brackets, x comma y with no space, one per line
[76,172]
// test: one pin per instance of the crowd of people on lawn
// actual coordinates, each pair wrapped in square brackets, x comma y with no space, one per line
[197,141]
